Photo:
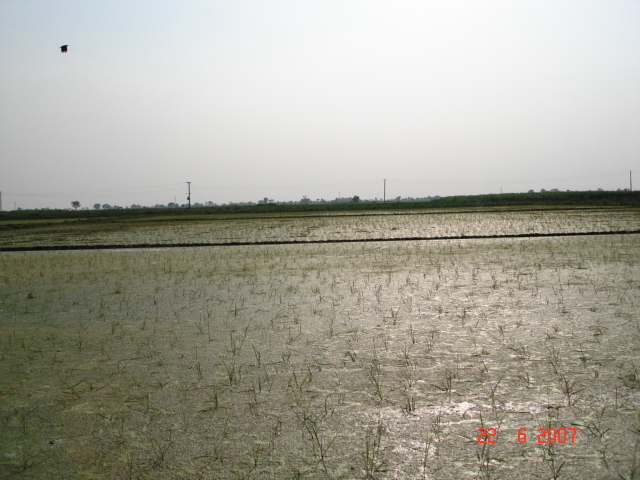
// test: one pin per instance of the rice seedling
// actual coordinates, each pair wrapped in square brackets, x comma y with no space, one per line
[371,452]
[571,389]
[375,377]
[160,447]
[485,467]
[24,416]
[446,382]
[341,335]
[409,370]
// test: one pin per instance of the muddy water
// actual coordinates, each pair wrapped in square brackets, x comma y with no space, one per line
[323,361]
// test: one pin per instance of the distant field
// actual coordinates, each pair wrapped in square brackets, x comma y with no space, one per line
[377,360]
[328,227]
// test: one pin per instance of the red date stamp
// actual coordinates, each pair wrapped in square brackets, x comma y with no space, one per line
[545,435]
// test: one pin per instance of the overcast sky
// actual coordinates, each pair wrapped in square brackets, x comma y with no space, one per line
[280,99]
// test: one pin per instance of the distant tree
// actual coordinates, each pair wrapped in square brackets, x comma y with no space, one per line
[75,204]
[97,206]
[355,199]
[106,206]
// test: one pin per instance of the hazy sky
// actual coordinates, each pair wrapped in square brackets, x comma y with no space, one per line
[284,98]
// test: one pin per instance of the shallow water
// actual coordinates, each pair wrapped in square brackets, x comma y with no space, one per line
[322,361]
[421,224]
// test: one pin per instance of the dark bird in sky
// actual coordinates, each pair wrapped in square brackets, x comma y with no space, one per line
[63,48]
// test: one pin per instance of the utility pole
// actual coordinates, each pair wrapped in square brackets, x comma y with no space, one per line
[189,193]
[384,191]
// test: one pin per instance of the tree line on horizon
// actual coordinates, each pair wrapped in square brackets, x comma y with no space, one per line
[547,198]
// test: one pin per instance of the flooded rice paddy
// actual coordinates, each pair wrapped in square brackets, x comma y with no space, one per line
[327,227]
[346,361]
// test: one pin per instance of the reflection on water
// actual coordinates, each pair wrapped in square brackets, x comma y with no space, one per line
[335,227]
